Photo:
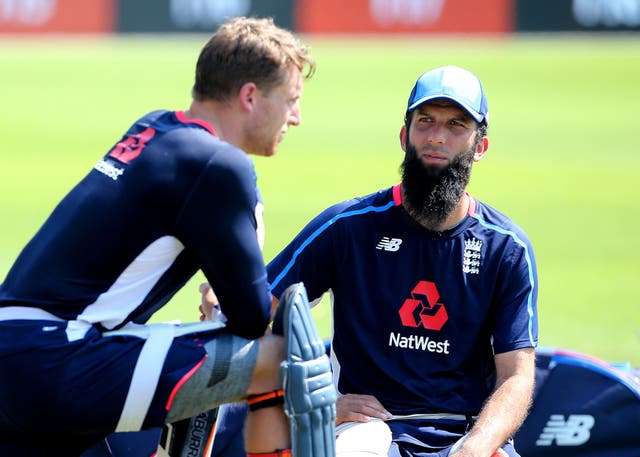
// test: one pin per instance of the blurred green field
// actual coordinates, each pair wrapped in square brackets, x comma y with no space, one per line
[563,160]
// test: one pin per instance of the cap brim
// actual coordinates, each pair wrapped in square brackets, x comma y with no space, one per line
[473,113]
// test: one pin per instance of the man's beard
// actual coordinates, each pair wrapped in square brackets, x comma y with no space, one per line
[432,193]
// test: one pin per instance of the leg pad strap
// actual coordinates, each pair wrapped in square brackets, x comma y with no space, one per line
[278,453]
[265,400]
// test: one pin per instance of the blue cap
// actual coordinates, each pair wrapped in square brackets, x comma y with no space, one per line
[455,84]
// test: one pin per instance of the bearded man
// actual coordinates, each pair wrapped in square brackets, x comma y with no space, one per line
[433,293]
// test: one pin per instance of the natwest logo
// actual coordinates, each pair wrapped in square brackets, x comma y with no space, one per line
[423,308]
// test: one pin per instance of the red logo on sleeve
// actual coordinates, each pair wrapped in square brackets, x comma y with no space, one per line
[131,147]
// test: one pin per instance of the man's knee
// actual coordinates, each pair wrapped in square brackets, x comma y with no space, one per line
[224,376]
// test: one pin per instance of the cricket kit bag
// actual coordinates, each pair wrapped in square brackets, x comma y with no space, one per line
[582,407]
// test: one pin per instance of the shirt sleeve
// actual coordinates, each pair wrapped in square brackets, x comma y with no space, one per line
[516,321]
[219,223]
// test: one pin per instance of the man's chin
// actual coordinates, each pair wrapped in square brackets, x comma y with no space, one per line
[432,170]
[264,151]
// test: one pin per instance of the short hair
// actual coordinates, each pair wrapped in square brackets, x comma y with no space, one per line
[248,50]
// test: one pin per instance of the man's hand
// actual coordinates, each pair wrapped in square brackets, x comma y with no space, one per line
[359,408]
[209,306]
[498,453]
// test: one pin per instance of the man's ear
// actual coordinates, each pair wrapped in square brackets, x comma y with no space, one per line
[247,96]
[481,149]
[403,138]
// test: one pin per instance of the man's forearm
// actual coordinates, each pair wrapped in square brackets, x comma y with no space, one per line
[504,411]
[501,416]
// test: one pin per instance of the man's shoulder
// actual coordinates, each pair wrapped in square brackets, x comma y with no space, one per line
[154,116]
[354,210]
[174,126]
[351,211]
[193,140]
[373,202]
[190,148]
[498,221]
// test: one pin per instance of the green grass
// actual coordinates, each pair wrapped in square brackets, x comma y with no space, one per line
[563,160]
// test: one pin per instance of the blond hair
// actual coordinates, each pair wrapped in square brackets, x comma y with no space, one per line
[248,50]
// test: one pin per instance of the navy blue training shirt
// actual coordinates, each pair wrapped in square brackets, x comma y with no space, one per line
[168,199]
[417,315]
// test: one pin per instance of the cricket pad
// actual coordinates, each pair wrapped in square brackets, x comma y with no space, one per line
[309,393]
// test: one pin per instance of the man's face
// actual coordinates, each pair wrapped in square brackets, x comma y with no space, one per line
[440,130]
[440,146]
[276,110]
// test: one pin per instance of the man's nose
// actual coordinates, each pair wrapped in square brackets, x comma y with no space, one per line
[437,134]
[295,117]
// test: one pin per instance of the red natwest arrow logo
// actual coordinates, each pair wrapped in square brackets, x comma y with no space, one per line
[423,308]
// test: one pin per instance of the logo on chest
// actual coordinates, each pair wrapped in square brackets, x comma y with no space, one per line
[471,259]
[389,244]
[423,308]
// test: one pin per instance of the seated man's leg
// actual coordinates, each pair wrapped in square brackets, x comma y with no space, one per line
[266,427]
[363,439]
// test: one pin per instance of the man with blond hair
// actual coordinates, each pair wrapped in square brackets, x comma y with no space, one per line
[176,194]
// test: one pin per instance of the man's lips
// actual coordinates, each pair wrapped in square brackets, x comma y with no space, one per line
[434,156]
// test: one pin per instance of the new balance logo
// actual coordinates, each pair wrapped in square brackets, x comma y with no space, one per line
[389,244]
[574,432]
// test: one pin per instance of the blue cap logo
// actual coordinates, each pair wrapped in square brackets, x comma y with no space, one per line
[455,84]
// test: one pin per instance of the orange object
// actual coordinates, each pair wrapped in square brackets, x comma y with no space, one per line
[404,16]
[58,16]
